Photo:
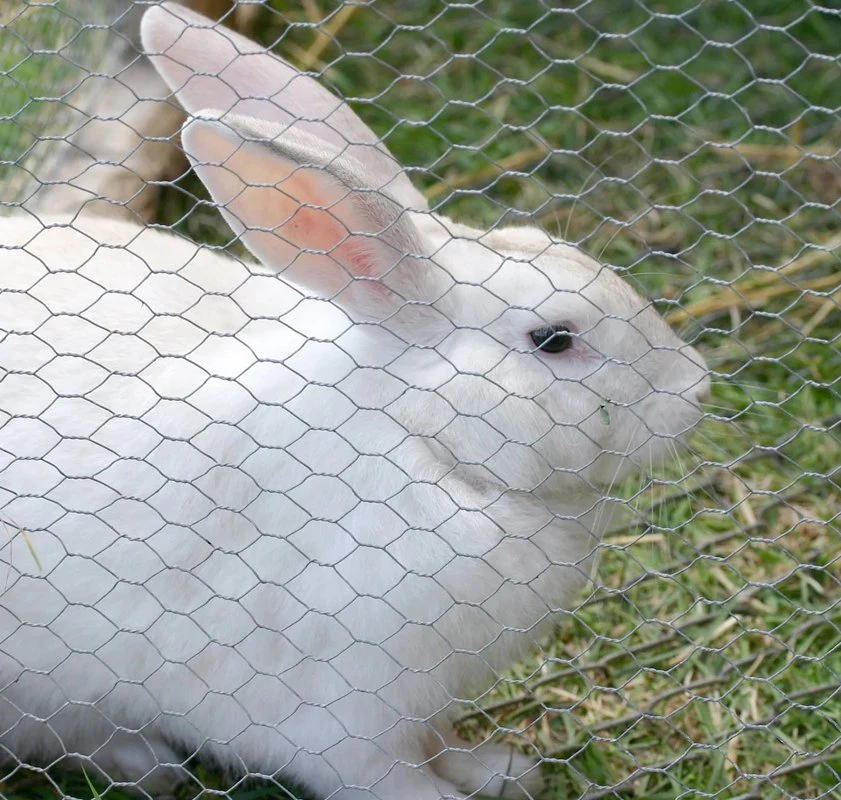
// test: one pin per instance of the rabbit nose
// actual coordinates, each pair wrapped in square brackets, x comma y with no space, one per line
[700,390]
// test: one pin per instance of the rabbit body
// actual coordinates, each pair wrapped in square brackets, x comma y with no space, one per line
[289,534]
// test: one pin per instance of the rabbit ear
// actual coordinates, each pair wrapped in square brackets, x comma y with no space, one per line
[208,66]
[310,211]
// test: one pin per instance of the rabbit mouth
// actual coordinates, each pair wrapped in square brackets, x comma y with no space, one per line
[647,447]
[662,447]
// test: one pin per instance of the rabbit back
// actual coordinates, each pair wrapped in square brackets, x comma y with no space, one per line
[143,387]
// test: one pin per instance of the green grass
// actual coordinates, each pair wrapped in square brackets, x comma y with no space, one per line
[695,150]
[46,51]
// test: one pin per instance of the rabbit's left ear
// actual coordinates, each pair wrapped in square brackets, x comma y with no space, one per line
[209,66]
[310,212]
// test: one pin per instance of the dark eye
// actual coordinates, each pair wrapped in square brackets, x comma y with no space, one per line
[551,339]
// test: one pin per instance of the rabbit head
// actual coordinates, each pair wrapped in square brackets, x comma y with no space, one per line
[582,370]
[542,368]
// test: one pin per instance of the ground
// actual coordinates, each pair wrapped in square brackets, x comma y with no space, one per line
[697,151]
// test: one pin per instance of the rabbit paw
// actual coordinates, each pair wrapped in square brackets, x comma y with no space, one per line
[150,763]
[488,769]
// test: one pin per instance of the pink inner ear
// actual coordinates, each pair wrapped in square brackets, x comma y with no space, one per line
[281,207]
[312,228]
[357,253]
[319,229]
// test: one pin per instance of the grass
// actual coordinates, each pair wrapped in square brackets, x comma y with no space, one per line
[695,147]
[46,51]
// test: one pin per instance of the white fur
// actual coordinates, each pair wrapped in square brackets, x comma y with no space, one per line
[290,534]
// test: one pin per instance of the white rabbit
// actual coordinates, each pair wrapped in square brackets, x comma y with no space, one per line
[289,534]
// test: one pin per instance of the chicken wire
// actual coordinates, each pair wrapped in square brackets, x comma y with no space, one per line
[693,147]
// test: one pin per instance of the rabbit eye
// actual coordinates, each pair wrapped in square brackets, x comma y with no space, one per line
[551,339]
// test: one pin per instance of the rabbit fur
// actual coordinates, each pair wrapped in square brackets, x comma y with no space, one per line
[285,516]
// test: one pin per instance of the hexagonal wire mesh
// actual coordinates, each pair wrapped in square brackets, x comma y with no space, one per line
[252,537]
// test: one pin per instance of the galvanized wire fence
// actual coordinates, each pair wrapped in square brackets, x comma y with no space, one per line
[409,508]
